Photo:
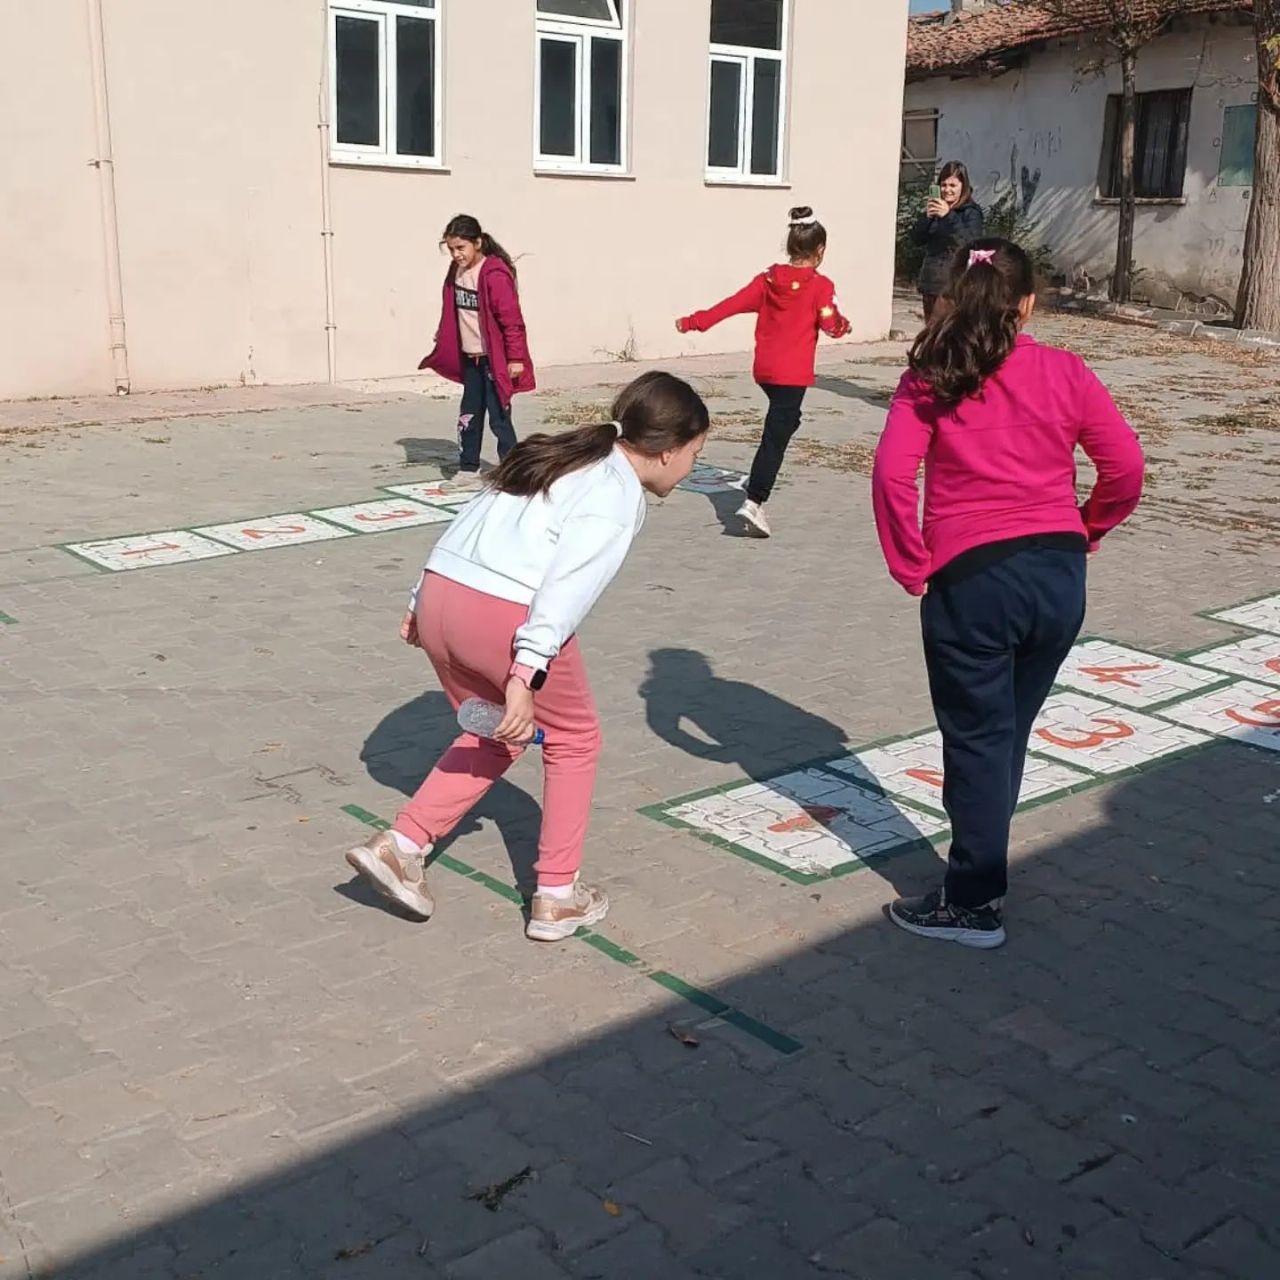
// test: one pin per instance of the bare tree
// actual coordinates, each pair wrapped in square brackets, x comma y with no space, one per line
[1126,26]
[1258,303]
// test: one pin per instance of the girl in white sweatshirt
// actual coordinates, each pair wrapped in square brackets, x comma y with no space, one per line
[497,608]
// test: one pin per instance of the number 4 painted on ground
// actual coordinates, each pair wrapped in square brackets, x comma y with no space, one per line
[1119,674]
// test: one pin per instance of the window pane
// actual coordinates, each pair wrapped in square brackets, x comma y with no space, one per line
[722,134]
[558,110]
[415,87]
[596,9]
[1239,124]
[359,93]
[754,24]
[606,101]
[764,116]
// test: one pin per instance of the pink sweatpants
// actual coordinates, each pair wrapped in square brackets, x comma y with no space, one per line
[469,638]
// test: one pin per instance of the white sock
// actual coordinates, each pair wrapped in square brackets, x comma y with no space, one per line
[561,891]
[404,844]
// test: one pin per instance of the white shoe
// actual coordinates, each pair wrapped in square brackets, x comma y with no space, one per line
[756,521]
[398,876]
[554,919]
[462,482]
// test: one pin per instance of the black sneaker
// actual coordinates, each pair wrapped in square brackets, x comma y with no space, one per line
[934,917]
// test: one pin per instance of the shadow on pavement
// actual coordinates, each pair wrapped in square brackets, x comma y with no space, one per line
[400,752]
[851,390]
[1095,1101]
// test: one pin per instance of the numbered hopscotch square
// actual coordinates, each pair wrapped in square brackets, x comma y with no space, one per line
[1129,676]
[1256,658]
[273,531]
[1105,739]
[1245,712]
[386,513]
[146,550]
[1260,615]
[912,770]
[808,823]
[434,492]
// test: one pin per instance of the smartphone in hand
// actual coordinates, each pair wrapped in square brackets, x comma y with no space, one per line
[935,192]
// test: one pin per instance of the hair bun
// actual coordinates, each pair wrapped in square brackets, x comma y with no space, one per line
[801,213]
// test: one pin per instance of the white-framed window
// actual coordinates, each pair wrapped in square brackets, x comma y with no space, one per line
[384,82]
[580,86]
[746,91]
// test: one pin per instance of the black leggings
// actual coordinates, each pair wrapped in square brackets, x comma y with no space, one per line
[780,424]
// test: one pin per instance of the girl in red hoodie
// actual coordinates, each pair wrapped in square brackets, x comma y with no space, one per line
[480,343]
[791,303]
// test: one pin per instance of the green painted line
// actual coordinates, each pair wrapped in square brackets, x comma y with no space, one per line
[703,1000]
[6,618]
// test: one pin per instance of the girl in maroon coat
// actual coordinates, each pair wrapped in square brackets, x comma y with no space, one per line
[481,342]
[792,303]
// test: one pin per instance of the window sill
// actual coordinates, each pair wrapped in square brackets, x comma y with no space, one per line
[1113,202]
[347,159]
[728,180]
[582,171]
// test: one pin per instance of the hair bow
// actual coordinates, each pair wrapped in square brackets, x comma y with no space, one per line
[981,255]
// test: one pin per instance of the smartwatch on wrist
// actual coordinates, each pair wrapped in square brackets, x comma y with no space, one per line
[528,676]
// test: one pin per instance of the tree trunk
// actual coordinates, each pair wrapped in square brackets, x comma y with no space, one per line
[1258,303]
[1122,276]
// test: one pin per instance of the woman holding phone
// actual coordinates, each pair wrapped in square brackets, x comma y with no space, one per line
[951,219]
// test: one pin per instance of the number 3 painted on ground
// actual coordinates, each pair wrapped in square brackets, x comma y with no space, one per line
[1115,730]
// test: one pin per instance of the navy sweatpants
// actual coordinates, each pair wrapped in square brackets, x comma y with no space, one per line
[993,642]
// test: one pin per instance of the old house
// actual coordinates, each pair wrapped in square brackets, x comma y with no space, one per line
[254,192]
[1028,98]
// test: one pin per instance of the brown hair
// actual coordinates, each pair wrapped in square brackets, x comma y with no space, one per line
[806,235]
[954,169]
[968,341]
[656,412]
[465,227]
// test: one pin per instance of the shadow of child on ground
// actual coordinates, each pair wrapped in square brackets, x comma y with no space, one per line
[850,390]
[732,722]
[403,748]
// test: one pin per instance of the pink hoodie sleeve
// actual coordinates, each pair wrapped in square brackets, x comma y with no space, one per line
[1114,450]
[895,492]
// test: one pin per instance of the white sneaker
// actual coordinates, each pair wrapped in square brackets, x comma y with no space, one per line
[401,877]
[553,919]
[462,482]
[752,513]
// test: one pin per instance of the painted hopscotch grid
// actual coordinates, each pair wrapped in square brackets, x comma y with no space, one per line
[1242,712]
[703,1000]
[147,550]
[1255,658]
[386,513]
[1262,614]
[265,532]
[434,493]
[910,769]
[807,825]
[1131,677]
[705,478]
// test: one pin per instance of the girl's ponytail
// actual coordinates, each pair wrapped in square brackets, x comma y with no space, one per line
[492,249]
[655,413]
[972,337]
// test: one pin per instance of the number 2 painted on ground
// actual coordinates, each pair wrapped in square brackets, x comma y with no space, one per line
[1269,709]
[930,777]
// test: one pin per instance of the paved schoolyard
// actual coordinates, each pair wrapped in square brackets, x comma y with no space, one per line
[219,1057]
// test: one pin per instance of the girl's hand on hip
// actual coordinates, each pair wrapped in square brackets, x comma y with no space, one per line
[516,369]
[409,630]
[517,725]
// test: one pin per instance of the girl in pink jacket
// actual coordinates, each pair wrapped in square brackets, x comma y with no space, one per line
[481,343]
[1000,555]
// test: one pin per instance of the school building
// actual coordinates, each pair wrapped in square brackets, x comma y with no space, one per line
[254,192]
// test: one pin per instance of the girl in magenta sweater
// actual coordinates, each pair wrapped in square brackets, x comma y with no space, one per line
[1000,556]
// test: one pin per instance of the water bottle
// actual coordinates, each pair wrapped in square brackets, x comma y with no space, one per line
[482,718]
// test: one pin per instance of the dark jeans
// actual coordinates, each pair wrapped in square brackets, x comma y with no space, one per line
[780,424]
[480,397]
[993,643]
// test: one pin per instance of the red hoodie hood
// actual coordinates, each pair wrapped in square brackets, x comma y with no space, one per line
[787,285]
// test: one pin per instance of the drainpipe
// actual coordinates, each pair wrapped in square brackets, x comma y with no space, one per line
[326,202]
[104,162]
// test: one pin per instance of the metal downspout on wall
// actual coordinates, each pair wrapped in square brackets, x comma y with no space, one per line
[326,202]
[104,162]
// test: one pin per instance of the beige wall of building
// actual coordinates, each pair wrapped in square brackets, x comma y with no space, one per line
[220,177]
